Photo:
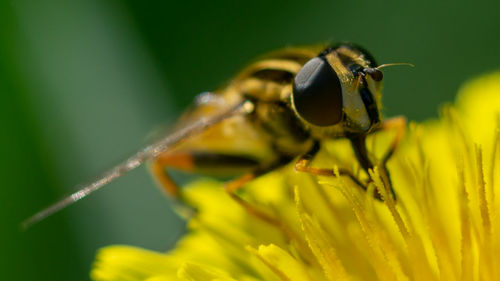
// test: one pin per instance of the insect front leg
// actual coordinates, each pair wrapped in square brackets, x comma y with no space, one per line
[302,165]
[398,124]
[358,143]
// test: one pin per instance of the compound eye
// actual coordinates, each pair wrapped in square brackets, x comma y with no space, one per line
[317,93]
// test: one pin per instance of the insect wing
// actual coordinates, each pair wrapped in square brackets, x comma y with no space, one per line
[149,152]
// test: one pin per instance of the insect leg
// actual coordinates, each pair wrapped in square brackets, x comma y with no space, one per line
[302,166]
[211,163]
[197,162]
[397,123]
[216,163]
[358,144]
[233,186]
[158,168]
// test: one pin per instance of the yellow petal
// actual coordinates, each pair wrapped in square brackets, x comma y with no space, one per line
[161,278]
[132,264]
[320,244]
[282,263]
[196,272]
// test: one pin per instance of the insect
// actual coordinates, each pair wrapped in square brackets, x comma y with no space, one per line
[276,111]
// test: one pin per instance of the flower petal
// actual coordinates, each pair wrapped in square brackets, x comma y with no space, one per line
[320,244]
[196,272]
[133,264]
[282,263]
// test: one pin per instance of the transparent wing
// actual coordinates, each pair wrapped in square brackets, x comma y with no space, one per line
[149,152]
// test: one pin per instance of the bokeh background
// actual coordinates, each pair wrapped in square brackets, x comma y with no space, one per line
[83,82]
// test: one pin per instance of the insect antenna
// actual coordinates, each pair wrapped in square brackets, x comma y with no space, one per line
[394,64]
[139,158]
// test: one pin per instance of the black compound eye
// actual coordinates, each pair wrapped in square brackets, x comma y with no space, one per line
[317,93]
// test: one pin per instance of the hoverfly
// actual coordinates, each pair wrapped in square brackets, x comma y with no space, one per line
[278,110]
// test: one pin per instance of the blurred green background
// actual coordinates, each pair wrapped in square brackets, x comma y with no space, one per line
[83,82]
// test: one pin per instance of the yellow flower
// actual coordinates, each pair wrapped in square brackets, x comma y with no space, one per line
[443,225]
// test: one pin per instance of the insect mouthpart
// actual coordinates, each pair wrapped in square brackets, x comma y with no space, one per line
[374,72]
